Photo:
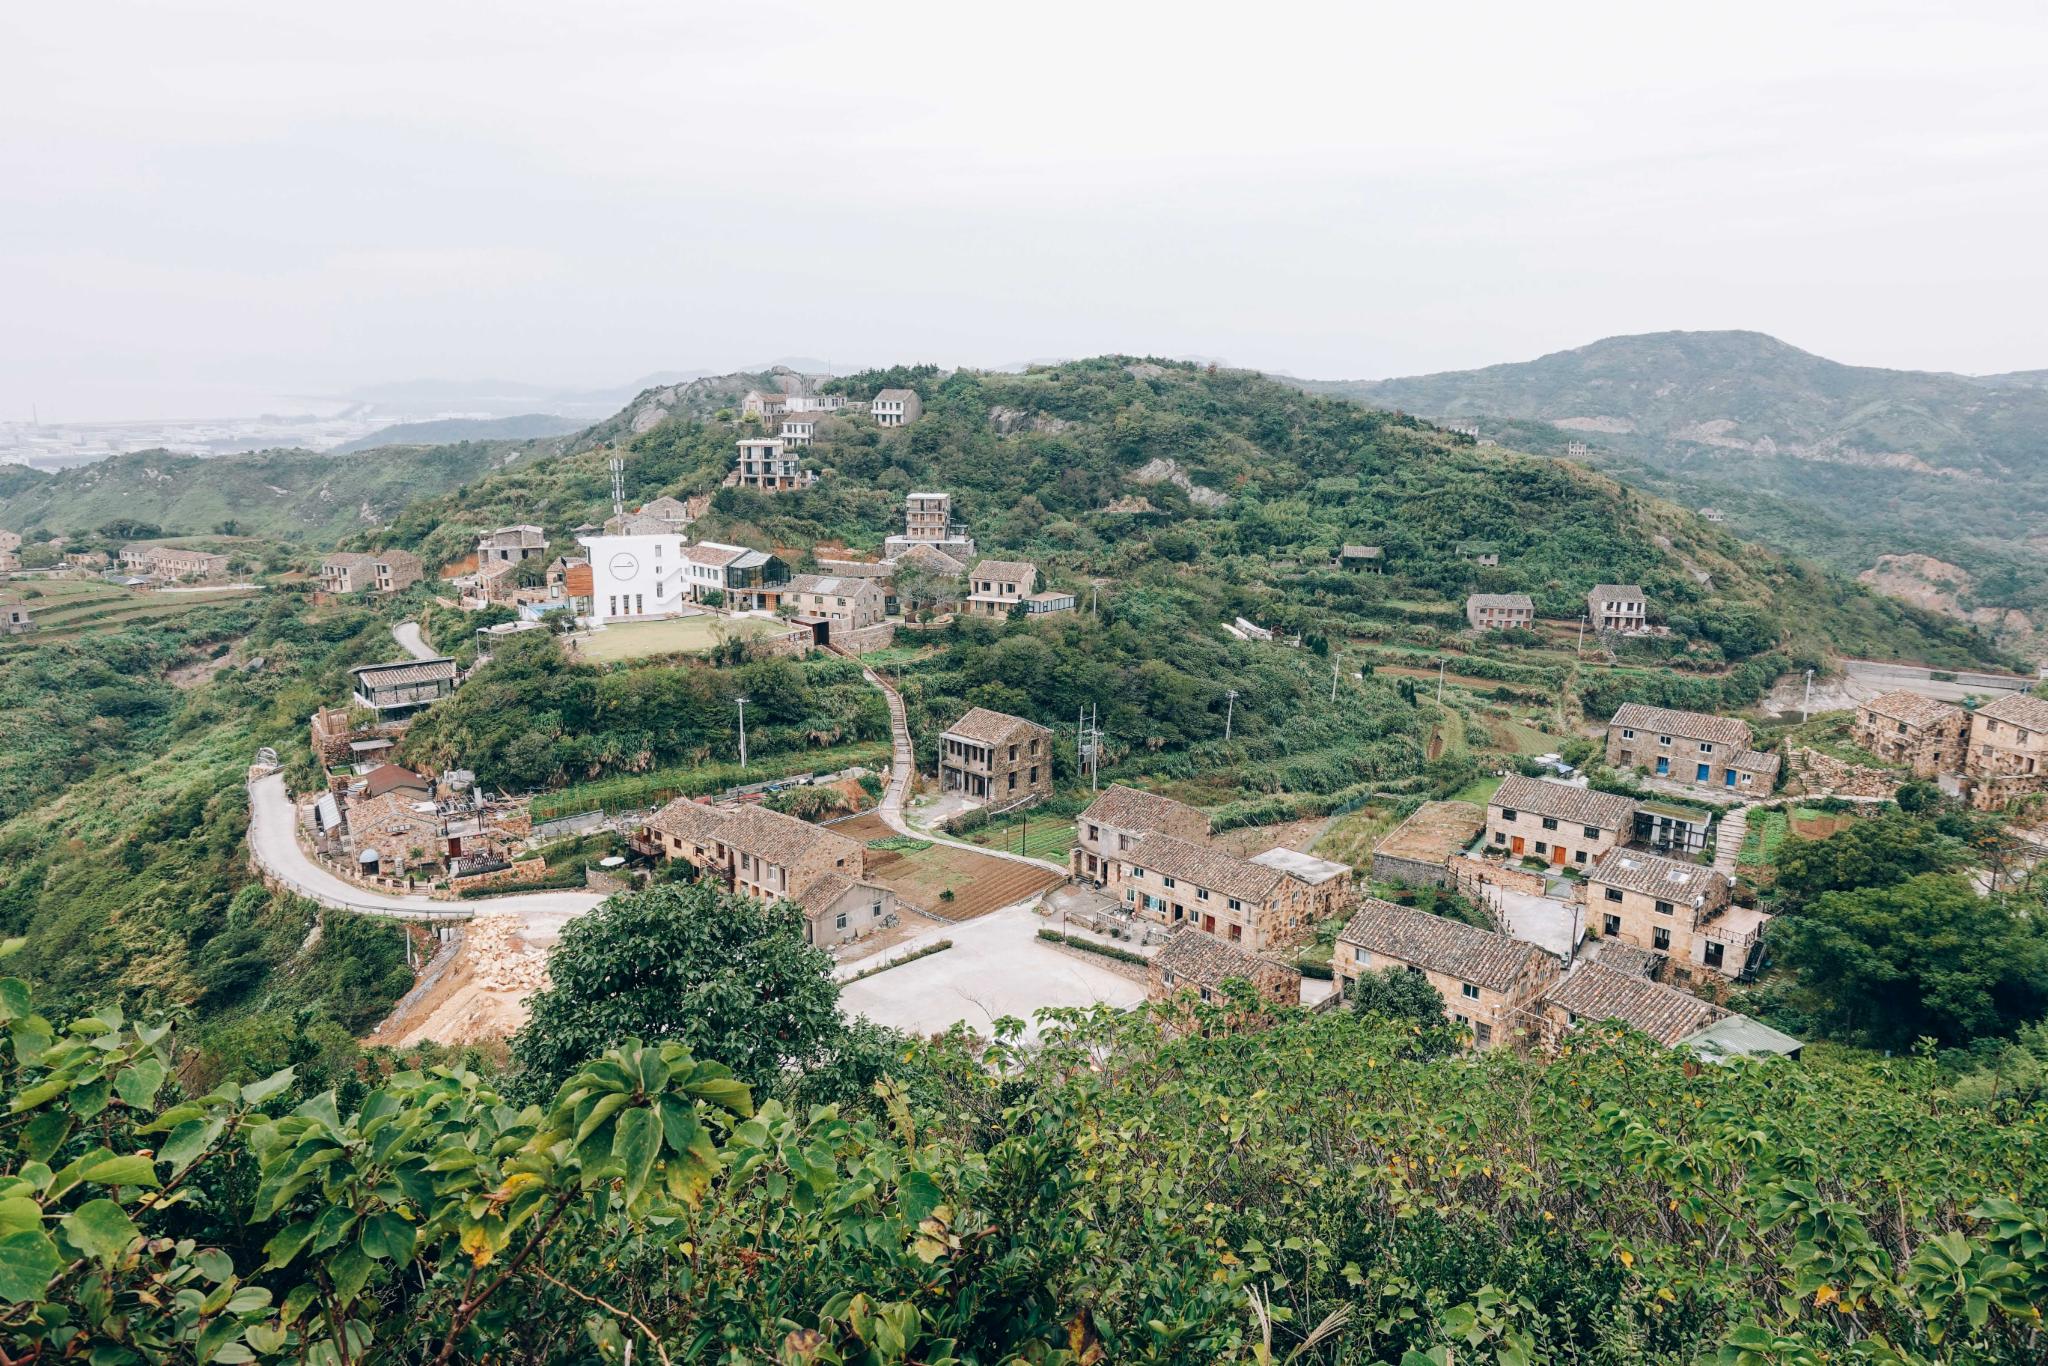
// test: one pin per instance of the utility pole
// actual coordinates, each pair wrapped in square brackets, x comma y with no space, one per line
[1333,675]
[1230,712]
[1440,682]
[1582,633]
[743,730]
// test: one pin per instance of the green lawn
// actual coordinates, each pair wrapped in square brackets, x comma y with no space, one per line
[1045,838]
[630,791]
[1479,791]
[683,635]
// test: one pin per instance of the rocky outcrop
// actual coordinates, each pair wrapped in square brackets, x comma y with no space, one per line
[1939,586]
[1161,470]
[1815,774]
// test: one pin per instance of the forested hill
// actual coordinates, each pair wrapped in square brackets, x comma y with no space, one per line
[296,494]
[1128,470]
[1836,461]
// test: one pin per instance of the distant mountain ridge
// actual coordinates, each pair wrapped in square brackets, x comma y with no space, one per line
[439,431]
[1850,464]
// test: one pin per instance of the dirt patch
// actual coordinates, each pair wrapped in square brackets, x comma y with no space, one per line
[1818,826]
[188,676]
[482,994]
[980,883]
[1257,839]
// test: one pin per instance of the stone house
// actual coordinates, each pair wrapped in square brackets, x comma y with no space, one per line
[510,545]
[1700,750]
[1202,963]
[764,404]
[1486,979]
[768,856]
[996,587]
[1177,882]
[1593,993]
[1618,607]
[178,562]
[1500,611]
[897,407]
[771,856]
[396,569]
[1118,819]
[15,618]
[10,540]
[2008,751]
[1681,910]
[1560,823]
[849,603]
[1328,882]
[928,521]
[347,571]
[991,756]
[1479,552]
[393,831]
[1913,732]
[688,830]
[763,463]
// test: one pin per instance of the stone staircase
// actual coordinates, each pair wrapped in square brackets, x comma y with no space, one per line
[1728,841]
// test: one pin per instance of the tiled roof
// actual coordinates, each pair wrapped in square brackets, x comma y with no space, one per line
[1127,808]
[713,554]
[897,394]
[1302,867]
[1690,725]
[1204,866]
[855,569]
[389,777]
[397,557]
[821,891]
[1615,592]
[400,673]
[1199,959]
[989,727]
[1912,708]
[665,506]
[820,583]
[1519,601]
[1565,802]
[934,558]
[1666,1014]
[1652,875]
[348,559]
[689,820]
[778,838]
[1619,955]
[1359,552]
[1006,571]
[1451,947]
[1756,761]
[2019,709]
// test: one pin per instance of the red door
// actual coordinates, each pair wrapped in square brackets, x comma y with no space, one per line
[1557,854]
[1515,843]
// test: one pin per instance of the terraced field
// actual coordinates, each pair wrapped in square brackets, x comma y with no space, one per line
[68,609]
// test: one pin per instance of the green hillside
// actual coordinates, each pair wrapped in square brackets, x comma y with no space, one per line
[293,494]
[1840,462]
[1220,484]
[442,431]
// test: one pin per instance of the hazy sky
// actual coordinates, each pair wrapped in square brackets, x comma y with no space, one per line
[203,203]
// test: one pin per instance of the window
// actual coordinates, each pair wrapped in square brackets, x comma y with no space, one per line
[1715,953]
[875,911]
[1137,871]
[1500,837]
[1483,1034]
[1706,748]
[1168,881]
[1541,847]
[1663,908]
[1013,754]
[840,920]
[1470,992]
[1550,823]
[1095,833]
[1235,904]
[1580,856]
[1663,739]
[1660,937]
[1611,924]
[1592,831]
[1627,734]
[1614,894]
[1236,933]
[1201,893]
[1507,813]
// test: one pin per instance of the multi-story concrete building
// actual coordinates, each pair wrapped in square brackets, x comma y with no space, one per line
[1500,611]
[1618,607]
[1178,882]
[510,545]
[1681,910]
[998,587]
[1119,818]
[1487,980]
[991,756]
[1712,753]
[637,576]
[765,464]
[749,580]
[928,522]
[1913,732]
[2008,751]
[897,407]
[799,429]
[1560,823]
[172,561]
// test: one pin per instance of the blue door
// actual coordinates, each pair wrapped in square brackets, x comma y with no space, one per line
[1663,767]
[1730,776]
[1706,774]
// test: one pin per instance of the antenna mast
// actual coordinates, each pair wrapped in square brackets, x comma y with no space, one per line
[618,468]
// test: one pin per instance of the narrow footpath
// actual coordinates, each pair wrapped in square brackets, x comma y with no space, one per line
[407,634]
[896,794]
[1728,842]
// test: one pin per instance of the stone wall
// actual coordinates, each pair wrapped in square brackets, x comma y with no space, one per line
[520,870]
[1469,874]
[866,640]
[1815,774]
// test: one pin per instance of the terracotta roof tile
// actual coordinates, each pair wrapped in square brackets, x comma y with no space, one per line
[1127,808]
[1912,708]
[2018,709]
[1204,866]
[1565,802]
[1652,875]
[1666,1014]
[780,839]
[990,727]
[1198,959]
[1466,952]
[1688,725]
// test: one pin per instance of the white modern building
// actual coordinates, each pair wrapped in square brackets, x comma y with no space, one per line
[636,577]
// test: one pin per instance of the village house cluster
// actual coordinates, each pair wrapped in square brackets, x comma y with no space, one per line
[1990,757]
[152,562]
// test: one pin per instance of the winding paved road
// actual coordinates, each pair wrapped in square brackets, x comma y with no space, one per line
[274,846]
[407,634]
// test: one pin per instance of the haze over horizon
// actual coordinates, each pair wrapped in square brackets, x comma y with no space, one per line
[225,202]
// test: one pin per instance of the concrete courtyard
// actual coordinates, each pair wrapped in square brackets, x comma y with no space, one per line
[997,966]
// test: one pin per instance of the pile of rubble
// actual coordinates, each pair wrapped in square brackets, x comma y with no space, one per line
[500,957]
[1820,774]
